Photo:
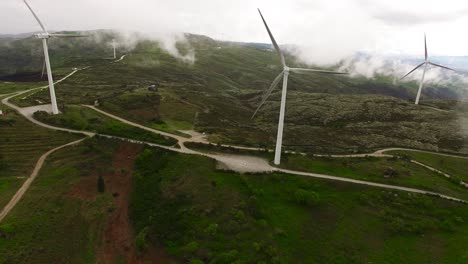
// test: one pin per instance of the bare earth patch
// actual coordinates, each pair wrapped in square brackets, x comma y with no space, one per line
[116,242]
[118,239]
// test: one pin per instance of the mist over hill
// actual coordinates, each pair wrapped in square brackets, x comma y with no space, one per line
[21,53]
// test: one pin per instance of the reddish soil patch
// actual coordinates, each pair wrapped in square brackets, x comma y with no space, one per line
[86,188]
[117,242]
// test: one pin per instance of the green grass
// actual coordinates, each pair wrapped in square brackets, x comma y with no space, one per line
[10,87]
[457,167]
[197,212]
[30,99]
[83,118]
[8,187]
[22,144]
[383,170]
[153,109]
[53,226]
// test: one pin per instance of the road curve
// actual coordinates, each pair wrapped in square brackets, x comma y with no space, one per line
[417,150]
[22,190]
[374,184]
[234,162]
[267,167]
[120,59]
[180,139]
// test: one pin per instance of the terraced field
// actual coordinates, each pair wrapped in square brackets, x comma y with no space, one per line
[8,187]
[21,144]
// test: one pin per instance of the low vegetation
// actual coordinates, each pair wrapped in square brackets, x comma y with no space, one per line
[10,87]
[82,118]
[203,215]
[393,171]
[218,93]
[62,225]
[8,187]
[22,143]
[456,167]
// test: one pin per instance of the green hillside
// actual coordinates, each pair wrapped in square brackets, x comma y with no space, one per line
[112,201]
[164,207]
[218,93]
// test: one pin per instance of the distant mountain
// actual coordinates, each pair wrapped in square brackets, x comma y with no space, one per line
[17,36]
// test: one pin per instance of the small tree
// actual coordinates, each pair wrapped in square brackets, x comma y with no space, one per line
[100,184]
[305,197]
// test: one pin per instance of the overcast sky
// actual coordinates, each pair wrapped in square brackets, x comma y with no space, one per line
[329,29]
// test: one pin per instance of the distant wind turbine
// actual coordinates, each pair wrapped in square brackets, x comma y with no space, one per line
[284,75]
[113,45]
[45,35]
[425,63]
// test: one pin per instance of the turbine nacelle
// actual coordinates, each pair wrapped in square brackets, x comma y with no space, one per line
[42,35]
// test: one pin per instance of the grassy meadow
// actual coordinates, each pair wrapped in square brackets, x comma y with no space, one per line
[202,215]
[181,205]
[83,118]
[456,167]
[58,226]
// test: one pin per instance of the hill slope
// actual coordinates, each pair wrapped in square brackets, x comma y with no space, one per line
[218,93]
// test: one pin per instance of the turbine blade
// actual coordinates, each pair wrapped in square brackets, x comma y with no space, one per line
[283,61]
[412,70]
[425,46]
[35,16]
[302,70]
[437,65]
[268,92]
[68,35]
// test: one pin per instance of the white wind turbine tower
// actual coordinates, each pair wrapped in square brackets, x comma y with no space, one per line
[45,35]
[425,63]
[284,74]
[113,45]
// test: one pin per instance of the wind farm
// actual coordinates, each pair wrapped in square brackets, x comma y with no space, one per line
[171,147]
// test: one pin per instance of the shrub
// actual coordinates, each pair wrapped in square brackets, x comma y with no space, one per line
[140,240]
[191,247]
[305,197]
[390,173]
[101,186]
[7,122]
[212,229]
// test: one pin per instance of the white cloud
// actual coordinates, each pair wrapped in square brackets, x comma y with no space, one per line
[326,31]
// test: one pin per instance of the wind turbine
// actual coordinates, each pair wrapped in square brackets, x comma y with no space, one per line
[113,45]
[44,36]
[284,75]
[425,63]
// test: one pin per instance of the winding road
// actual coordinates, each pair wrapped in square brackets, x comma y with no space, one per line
[238,163]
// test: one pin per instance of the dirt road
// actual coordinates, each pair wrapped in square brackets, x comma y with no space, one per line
[22,190]
[239,163]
